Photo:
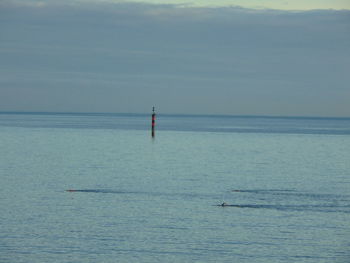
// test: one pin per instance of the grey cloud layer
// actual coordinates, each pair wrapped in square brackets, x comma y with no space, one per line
[126,57]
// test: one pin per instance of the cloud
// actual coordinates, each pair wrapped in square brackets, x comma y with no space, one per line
[208,60]
[252,4]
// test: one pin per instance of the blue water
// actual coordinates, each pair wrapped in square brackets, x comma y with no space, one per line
[141,200]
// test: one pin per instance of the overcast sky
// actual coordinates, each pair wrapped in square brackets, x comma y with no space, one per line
[123,56]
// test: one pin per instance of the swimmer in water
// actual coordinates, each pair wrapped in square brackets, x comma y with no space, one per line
[224,204]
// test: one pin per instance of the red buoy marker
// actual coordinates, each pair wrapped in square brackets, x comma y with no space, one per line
[153,122]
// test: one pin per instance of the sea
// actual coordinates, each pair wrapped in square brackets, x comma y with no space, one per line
[98,188]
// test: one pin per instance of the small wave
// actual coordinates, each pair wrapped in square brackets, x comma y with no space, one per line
[263,191]
[293,192]
[301,208]
[99,191]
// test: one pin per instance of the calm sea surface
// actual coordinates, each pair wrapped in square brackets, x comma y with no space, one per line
[141,200]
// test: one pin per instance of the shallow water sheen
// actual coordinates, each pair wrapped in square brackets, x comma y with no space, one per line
[95,193]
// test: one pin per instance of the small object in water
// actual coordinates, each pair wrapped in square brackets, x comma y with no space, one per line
[153,122]
[224,204]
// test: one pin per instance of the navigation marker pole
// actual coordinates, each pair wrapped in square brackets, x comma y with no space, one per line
[153,122]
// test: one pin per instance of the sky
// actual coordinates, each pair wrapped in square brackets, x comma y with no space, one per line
[278,58]
[257,4]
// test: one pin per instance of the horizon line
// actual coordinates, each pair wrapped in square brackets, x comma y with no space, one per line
[173,114]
